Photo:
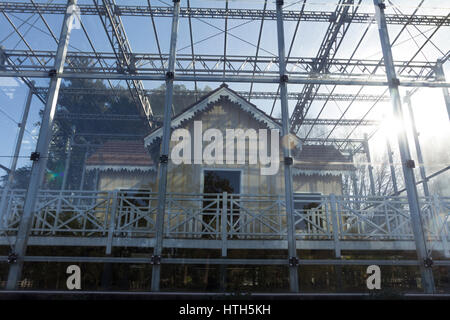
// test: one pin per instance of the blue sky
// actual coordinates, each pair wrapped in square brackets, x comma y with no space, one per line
[140,34]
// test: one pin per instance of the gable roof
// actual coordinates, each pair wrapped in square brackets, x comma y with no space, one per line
[117,155]
[206,102]
[132,155]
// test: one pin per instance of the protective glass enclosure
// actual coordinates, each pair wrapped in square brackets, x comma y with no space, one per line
[225,146]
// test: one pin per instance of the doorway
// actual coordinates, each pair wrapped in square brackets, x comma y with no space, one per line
[216,182]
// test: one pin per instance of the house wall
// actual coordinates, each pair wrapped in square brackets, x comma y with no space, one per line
[326,184]
[115,180]
[189,178]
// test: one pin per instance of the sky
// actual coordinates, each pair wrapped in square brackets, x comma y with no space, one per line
[428,104]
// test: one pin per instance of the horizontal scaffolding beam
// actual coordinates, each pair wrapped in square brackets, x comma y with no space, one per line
[254,95]
[206,64]
[222,13]
[324,80]
[113,117]
[219,261]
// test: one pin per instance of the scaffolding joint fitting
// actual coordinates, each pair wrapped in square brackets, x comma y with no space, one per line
[293,261]
[410,164]
[288,161]
[12,258]
[35,156]
[381,5]
[395,82]
[155,260]
[52,73]
[284,78]
[170,75]
[428,262]
[280,2]
[164,158]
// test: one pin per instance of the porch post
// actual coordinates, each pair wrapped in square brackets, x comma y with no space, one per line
[293,261]
[407,162]
[39,157]
[164,158]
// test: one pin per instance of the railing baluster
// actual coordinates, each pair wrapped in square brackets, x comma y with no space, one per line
[111,221]
[224,223]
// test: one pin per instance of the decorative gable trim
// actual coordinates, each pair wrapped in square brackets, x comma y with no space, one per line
[117,168]
[203,105]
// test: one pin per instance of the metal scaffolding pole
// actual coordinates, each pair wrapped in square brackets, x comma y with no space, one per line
[22,125]
[39,157]
[68,158]
[164,158]
[407,162]
[423,175]
[369,164]
[441,77]
[83,172]
[12,171]
[354,179]
[391,165]
[293,261]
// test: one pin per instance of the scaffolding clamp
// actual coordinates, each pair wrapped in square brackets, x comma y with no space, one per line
[155,260]
[35,156]
[288,161]
[280,2]
[284,78]
[12,258]
[170,75]
[395,82]
[428,262]
[164,158]
[293,261]
[52,73]
[382,5]
[410,164]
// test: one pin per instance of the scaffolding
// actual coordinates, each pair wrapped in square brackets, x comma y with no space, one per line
[412,222]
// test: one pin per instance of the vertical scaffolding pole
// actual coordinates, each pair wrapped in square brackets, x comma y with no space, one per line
[391,166]
[293,261]
[369,164]
[22,124]
[83,172]
[68,158]
[10,180]
[354,179]
[441,76]
[39,162]
[164,158]
[407,163]
[423,175]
